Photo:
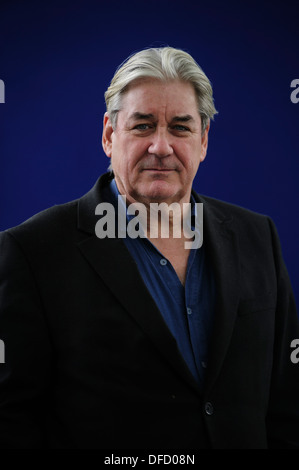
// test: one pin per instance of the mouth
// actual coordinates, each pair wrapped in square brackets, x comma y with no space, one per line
[164,170]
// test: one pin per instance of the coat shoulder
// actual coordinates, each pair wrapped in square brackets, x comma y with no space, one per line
[233,212]
[49,224]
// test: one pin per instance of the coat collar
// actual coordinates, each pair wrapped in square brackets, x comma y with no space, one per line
[87,205]
[113,263]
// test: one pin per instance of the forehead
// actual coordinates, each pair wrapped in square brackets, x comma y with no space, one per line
[152,96]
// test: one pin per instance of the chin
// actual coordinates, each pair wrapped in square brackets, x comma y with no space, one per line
[159,196]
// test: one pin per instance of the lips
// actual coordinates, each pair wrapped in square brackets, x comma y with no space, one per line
[158,169]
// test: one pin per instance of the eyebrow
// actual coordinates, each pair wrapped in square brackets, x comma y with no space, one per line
[140,116]
[185,118]
[137,116]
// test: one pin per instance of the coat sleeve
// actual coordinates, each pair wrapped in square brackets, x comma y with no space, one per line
[25,374]
[283,410]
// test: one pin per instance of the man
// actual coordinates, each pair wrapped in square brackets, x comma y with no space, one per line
[125,342]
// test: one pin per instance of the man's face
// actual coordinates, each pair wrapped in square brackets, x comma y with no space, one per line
[157,145]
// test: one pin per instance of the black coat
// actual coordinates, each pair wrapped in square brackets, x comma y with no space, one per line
[90,363]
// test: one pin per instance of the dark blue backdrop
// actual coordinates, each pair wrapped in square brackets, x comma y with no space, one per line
[57,58]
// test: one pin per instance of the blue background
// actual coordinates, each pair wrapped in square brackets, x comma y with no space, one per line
[57,59]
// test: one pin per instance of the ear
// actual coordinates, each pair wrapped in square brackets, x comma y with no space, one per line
[107,135]
[204,143]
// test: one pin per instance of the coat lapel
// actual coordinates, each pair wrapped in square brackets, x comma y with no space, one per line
[222,248]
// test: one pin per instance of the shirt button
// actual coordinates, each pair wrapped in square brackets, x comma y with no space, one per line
[163,262]
[189,311]
[209,409]
[204,364]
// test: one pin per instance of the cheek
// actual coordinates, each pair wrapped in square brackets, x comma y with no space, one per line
[130,153]
[189,157]
[125,163]
[138,149]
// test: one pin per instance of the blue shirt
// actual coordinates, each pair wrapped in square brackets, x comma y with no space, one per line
[188,311]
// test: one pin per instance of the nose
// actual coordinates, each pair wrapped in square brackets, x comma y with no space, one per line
[160,145]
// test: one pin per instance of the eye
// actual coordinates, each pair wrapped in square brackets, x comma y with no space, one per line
[142,127]
[179,127]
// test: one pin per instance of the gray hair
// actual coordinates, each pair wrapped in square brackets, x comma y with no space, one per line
[165,64]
